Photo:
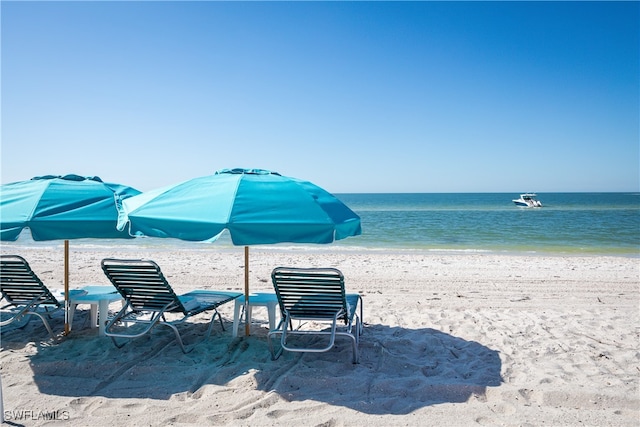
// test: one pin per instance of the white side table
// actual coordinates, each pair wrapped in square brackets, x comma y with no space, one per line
[99,297]
[264,299]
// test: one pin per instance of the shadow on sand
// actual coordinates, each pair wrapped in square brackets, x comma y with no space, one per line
[400,369]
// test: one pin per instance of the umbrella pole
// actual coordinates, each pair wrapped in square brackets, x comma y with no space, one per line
[246,290]
[66,287]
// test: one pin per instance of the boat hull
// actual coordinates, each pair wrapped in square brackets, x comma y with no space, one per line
[528,200]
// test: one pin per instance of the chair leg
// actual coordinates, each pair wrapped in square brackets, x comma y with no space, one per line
[356,341]
[120,317]
[44,321]
[278,330]
[353,333]
[219,318]
[178,337]
[186,350]
[210,328]
[116,342]
[274,354]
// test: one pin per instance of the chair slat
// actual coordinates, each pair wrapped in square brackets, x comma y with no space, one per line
[310,292]
[20,285]
[142,283]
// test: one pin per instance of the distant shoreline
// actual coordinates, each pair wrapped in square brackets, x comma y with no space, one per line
[160,245]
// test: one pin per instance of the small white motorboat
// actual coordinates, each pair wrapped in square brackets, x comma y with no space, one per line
[528,200]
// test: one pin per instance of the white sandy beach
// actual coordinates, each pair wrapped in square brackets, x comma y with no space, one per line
[449,339]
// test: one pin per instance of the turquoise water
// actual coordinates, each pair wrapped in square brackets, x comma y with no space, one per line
[569,223]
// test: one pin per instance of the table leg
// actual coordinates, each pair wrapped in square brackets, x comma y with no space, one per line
[102,315]
[94,315]
[72,311]
[248,313]
[236,317]
[271,308]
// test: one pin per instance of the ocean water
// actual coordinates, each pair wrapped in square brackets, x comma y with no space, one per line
[597,223]
[568,223]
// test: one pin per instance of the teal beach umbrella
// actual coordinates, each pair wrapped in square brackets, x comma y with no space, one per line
[62,208]
[256,207]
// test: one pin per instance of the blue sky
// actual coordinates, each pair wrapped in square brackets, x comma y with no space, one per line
[355,97]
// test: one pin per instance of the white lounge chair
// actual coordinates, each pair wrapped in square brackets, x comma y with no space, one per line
[318,295]
[149,298]
[24,293]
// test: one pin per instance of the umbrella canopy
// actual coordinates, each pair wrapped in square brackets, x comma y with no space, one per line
[62,208]
[256,206]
